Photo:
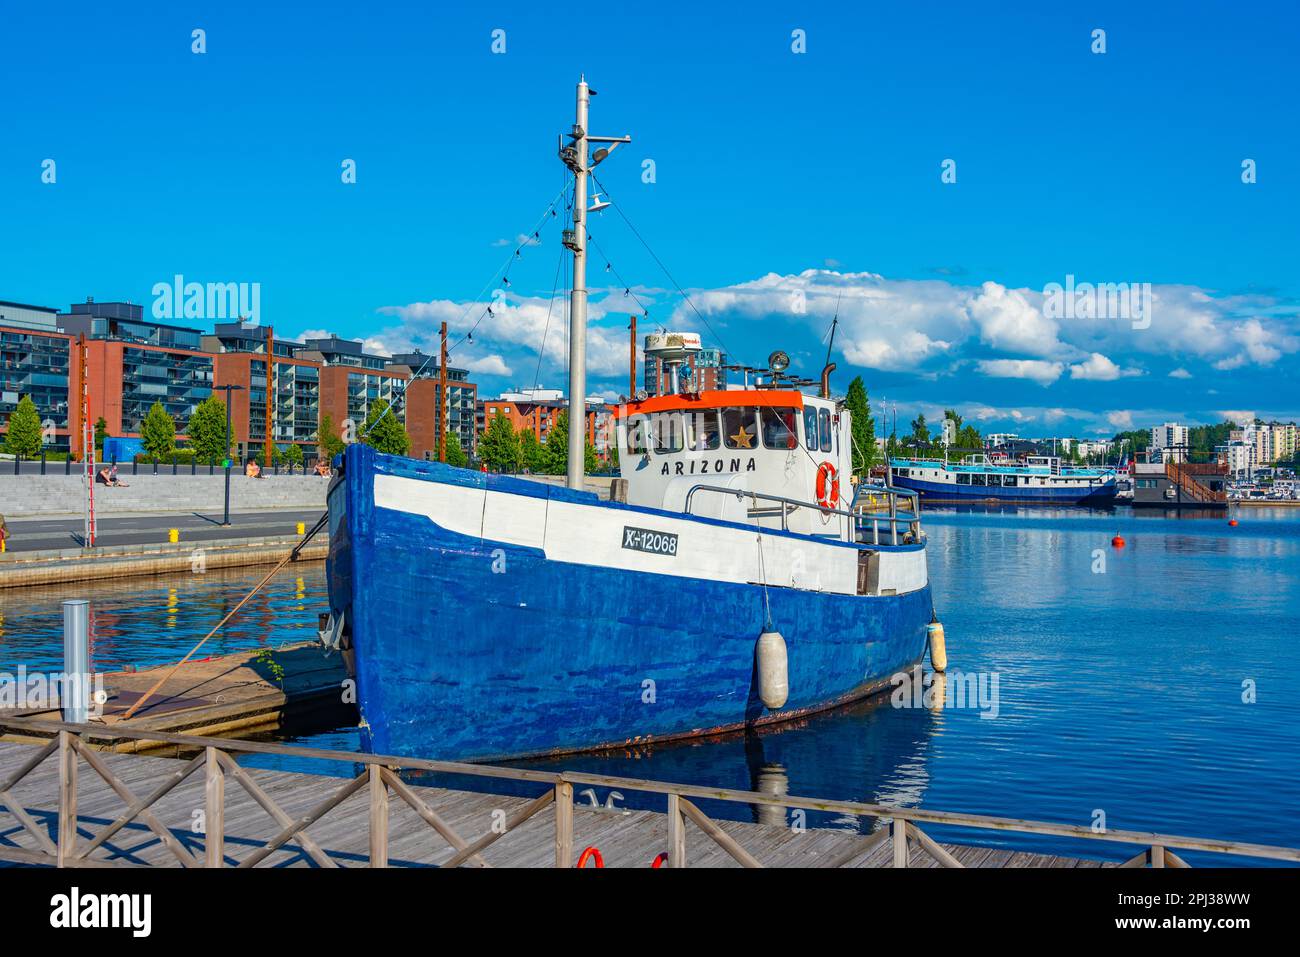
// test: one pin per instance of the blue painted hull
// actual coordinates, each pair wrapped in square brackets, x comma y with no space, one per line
[455,661]
[1096,495]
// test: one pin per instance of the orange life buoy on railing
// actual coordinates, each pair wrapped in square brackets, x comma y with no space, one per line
[594,854]
[828,485]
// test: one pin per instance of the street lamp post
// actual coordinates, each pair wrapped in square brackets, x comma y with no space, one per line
[228,389]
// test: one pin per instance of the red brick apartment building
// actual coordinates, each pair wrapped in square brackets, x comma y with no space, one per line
[131,362]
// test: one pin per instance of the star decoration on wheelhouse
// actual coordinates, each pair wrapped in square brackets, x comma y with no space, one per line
[743,439]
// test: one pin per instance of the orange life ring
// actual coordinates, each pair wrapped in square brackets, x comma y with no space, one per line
[828,485]
[660,860]
[594,854]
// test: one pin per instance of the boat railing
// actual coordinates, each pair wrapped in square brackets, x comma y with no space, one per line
[874,509]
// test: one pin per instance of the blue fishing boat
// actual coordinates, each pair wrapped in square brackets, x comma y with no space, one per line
[1040,479]
[734,576]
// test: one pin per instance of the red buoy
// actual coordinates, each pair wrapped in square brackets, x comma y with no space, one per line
[1232,522]
[1117,541]
[660,860]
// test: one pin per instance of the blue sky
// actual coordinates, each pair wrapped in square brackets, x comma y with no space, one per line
[784,184]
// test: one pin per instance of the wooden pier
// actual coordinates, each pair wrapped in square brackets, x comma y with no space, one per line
[235,695]
[65,803]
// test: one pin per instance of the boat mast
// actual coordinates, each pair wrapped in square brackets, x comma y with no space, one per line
[575,157]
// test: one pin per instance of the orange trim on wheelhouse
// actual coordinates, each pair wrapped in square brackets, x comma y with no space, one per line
[685,402]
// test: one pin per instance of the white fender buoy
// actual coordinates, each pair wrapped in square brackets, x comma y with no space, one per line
[773,670]
[938,652]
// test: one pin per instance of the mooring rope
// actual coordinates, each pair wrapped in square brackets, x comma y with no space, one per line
[231,614]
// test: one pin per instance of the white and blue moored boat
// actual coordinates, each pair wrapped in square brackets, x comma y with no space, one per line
[735,578]
[1040,479]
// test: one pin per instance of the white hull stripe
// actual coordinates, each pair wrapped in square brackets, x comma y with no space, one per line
[599,536]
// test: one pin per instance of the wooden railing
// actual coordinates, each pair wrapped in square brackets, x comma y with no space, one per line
[1187,480]
[380,779]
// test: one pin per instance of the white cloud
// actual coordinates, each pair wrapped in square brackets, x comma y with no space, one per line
[520,240]
[486,365]
[1099,368]
[1238,416]
[922,326]
[1180,373]
[1121,418]
[1010,323]
[1037,370]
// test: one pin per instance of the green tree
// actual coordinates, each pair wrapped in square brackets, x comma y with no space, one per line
[24,435]
[207,431]
[556,458]
[293,455]
[158,432]
[327,438]
[101,433]
[499,446]
[384,431]
[968,437]
[920,431]
[455,454]
[864,428]
[531,452]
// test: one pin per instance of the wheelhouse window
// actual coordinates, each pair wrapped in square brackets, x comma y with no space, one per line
[636,435]
[702,432]
[739,428]
[963,478]
[824,428]
[779,426]
[668,432]
[810,427]
[978,478]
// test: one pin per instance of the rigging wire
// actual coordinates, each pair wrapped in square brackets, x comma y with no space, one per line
[682,292]
[537,373]
[627,289]
[504,268]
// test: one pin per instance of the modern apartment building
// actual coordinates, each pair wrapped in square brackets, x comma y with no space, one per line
[239,351]
[35,360]
[1170,440]
[703,371]
[352,380]
[422,403]
[133,362]
[536,410]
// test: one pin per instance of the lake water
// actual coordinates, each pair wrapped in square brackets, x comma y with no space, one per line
[1158,684]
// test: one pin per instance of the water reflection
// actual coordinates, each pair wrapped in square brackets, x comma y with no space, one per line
[140,622]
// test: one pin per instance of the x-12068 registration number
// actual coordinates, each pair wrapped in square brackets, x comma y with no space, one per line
[648,540]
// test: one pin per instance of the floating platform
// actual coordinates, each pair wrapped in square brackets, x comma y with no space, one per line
[234,696]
